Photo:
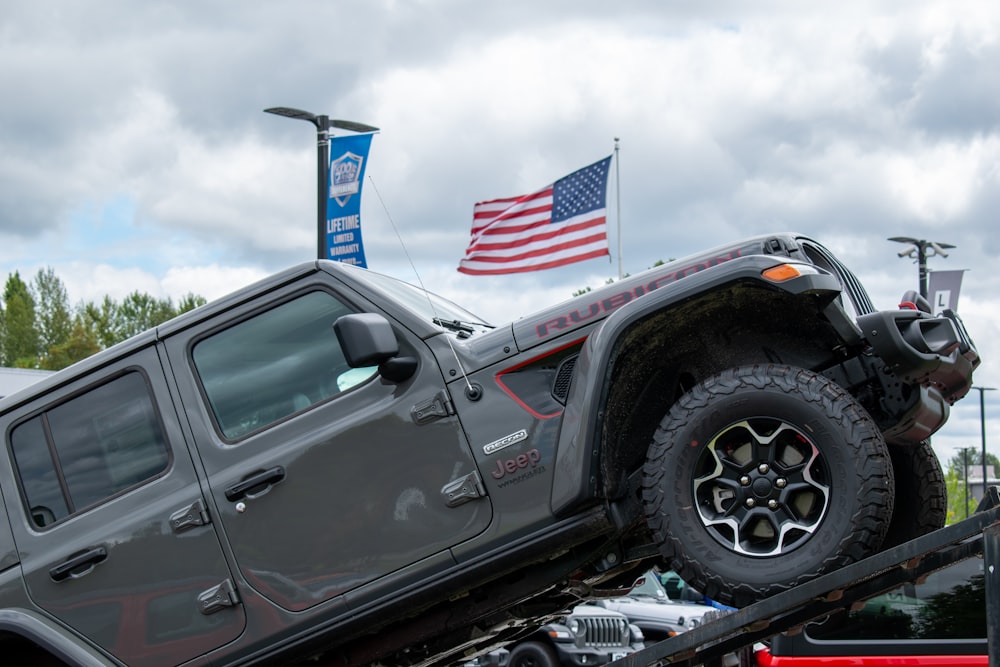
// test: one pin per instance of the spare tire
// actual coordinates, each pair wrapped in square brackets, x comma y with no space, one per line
[763,477]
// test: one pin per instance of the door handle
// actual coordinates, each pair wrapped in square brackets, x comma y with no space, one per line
[89,557]
[261,478]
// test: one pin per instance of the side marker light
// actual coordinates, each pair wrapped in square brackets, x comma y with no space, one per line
[783,272]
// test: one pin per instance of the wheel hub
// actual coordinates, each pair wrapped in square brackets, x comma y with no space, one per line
[761,487]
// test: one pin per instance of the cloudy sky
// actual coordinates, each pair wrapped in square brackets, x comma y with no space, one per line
[134,154]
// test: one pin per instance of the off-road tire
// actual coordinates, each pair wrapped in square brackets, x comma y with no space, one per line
[921,495]
[533,654]
[806,486]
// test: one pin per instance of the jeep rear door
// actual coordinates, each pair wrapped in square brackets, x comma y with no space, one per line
[324,477]
[109,520]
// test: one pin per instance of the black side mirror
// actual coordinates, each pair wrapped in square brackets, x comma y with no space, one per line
[367,339]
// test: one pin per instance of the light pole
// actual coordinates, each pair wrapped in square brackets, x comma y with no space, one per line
[920,248]
[323,125]
[965,468]
[982,427]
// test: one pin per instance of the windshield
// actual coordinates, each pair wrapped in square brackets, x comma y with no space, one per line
[648,586]
[430,306]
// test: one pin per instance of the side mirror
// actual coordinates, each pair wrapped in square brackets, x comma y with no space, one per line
[367,339]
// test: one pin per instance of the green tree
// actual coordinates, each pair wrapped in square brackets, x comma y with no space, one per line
[20,346]
[112,322]
[610,281]
[102,321]
[80,344]
[139,312]
[38,329]
[959,507]
[967,458]
[190,301]
[53,318]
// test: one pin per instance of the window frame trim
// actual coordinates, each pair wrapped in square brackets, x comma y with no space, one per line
[42,414]
[267,303]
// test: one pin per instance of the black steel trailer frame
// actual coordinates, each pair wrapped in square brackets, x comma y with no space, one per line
[735,633]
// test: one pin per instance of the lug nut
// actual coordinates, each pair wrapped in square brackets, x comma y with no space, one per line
[744,480]
[750,502]
[773,504]
[781,482]
[763,468]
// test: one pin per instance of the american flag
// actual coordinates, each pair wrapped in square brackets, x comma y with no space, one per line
[560,224]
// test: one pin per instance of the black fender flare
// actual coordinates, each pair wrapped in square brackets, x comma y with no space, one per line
[577,461]
[51,637]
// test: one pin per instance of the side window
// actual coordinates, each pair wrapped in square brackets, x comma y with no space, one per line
[89,448]
[275,364]
[949,604]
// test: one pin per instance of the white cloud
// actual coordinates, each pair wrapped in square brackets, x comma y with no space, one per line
[210,281]
[936,183]
[134,153]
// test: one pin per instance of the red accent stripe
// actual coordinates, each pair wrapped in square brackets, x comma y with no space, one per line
[507,390]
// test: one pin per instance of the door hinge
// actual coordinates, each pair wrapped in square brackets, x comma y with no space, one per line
[218,597]
[463,489]
[432,409]
[193,515]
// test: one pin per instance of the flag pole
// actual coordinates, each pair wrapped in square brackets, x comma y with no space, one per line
[618,206]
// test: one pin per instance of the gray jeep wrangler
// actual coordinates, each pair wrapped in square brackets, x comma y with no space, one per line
[337,467]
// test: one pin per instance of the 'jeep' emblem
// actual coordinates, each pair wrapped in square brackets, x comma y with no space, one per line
[529,459]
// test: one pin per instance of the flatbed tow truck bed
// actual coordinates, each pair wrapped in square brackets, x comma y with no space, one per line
[979,535]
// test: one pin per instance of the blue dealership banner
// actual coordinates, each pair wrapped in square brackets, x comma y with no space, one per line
[348,158]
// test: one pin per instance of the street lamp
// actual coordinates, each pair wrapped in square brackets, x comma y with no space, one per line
[920,249]
[982,427]
[965,469]
[323,125]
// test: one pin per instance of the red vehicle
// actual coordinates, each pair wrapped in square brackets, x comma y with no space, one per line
[940,621]
[927,601]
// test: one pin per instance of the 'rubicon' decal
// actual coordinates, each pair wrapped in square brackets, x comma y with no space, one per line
[505,441]
[577,316]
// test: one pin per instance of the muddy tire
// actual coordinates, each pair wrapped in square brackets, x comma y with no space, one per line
[763,477]
[921,496]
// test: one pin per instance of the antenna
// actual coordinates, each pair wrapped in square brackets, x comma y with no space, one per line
[470,390]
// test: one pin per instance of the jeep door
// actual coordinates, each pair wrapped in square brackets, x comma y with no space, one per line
[109,519]
[322,478]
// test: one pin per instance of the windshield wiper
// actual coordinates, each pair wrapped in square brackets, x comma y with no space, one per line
[464,329]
